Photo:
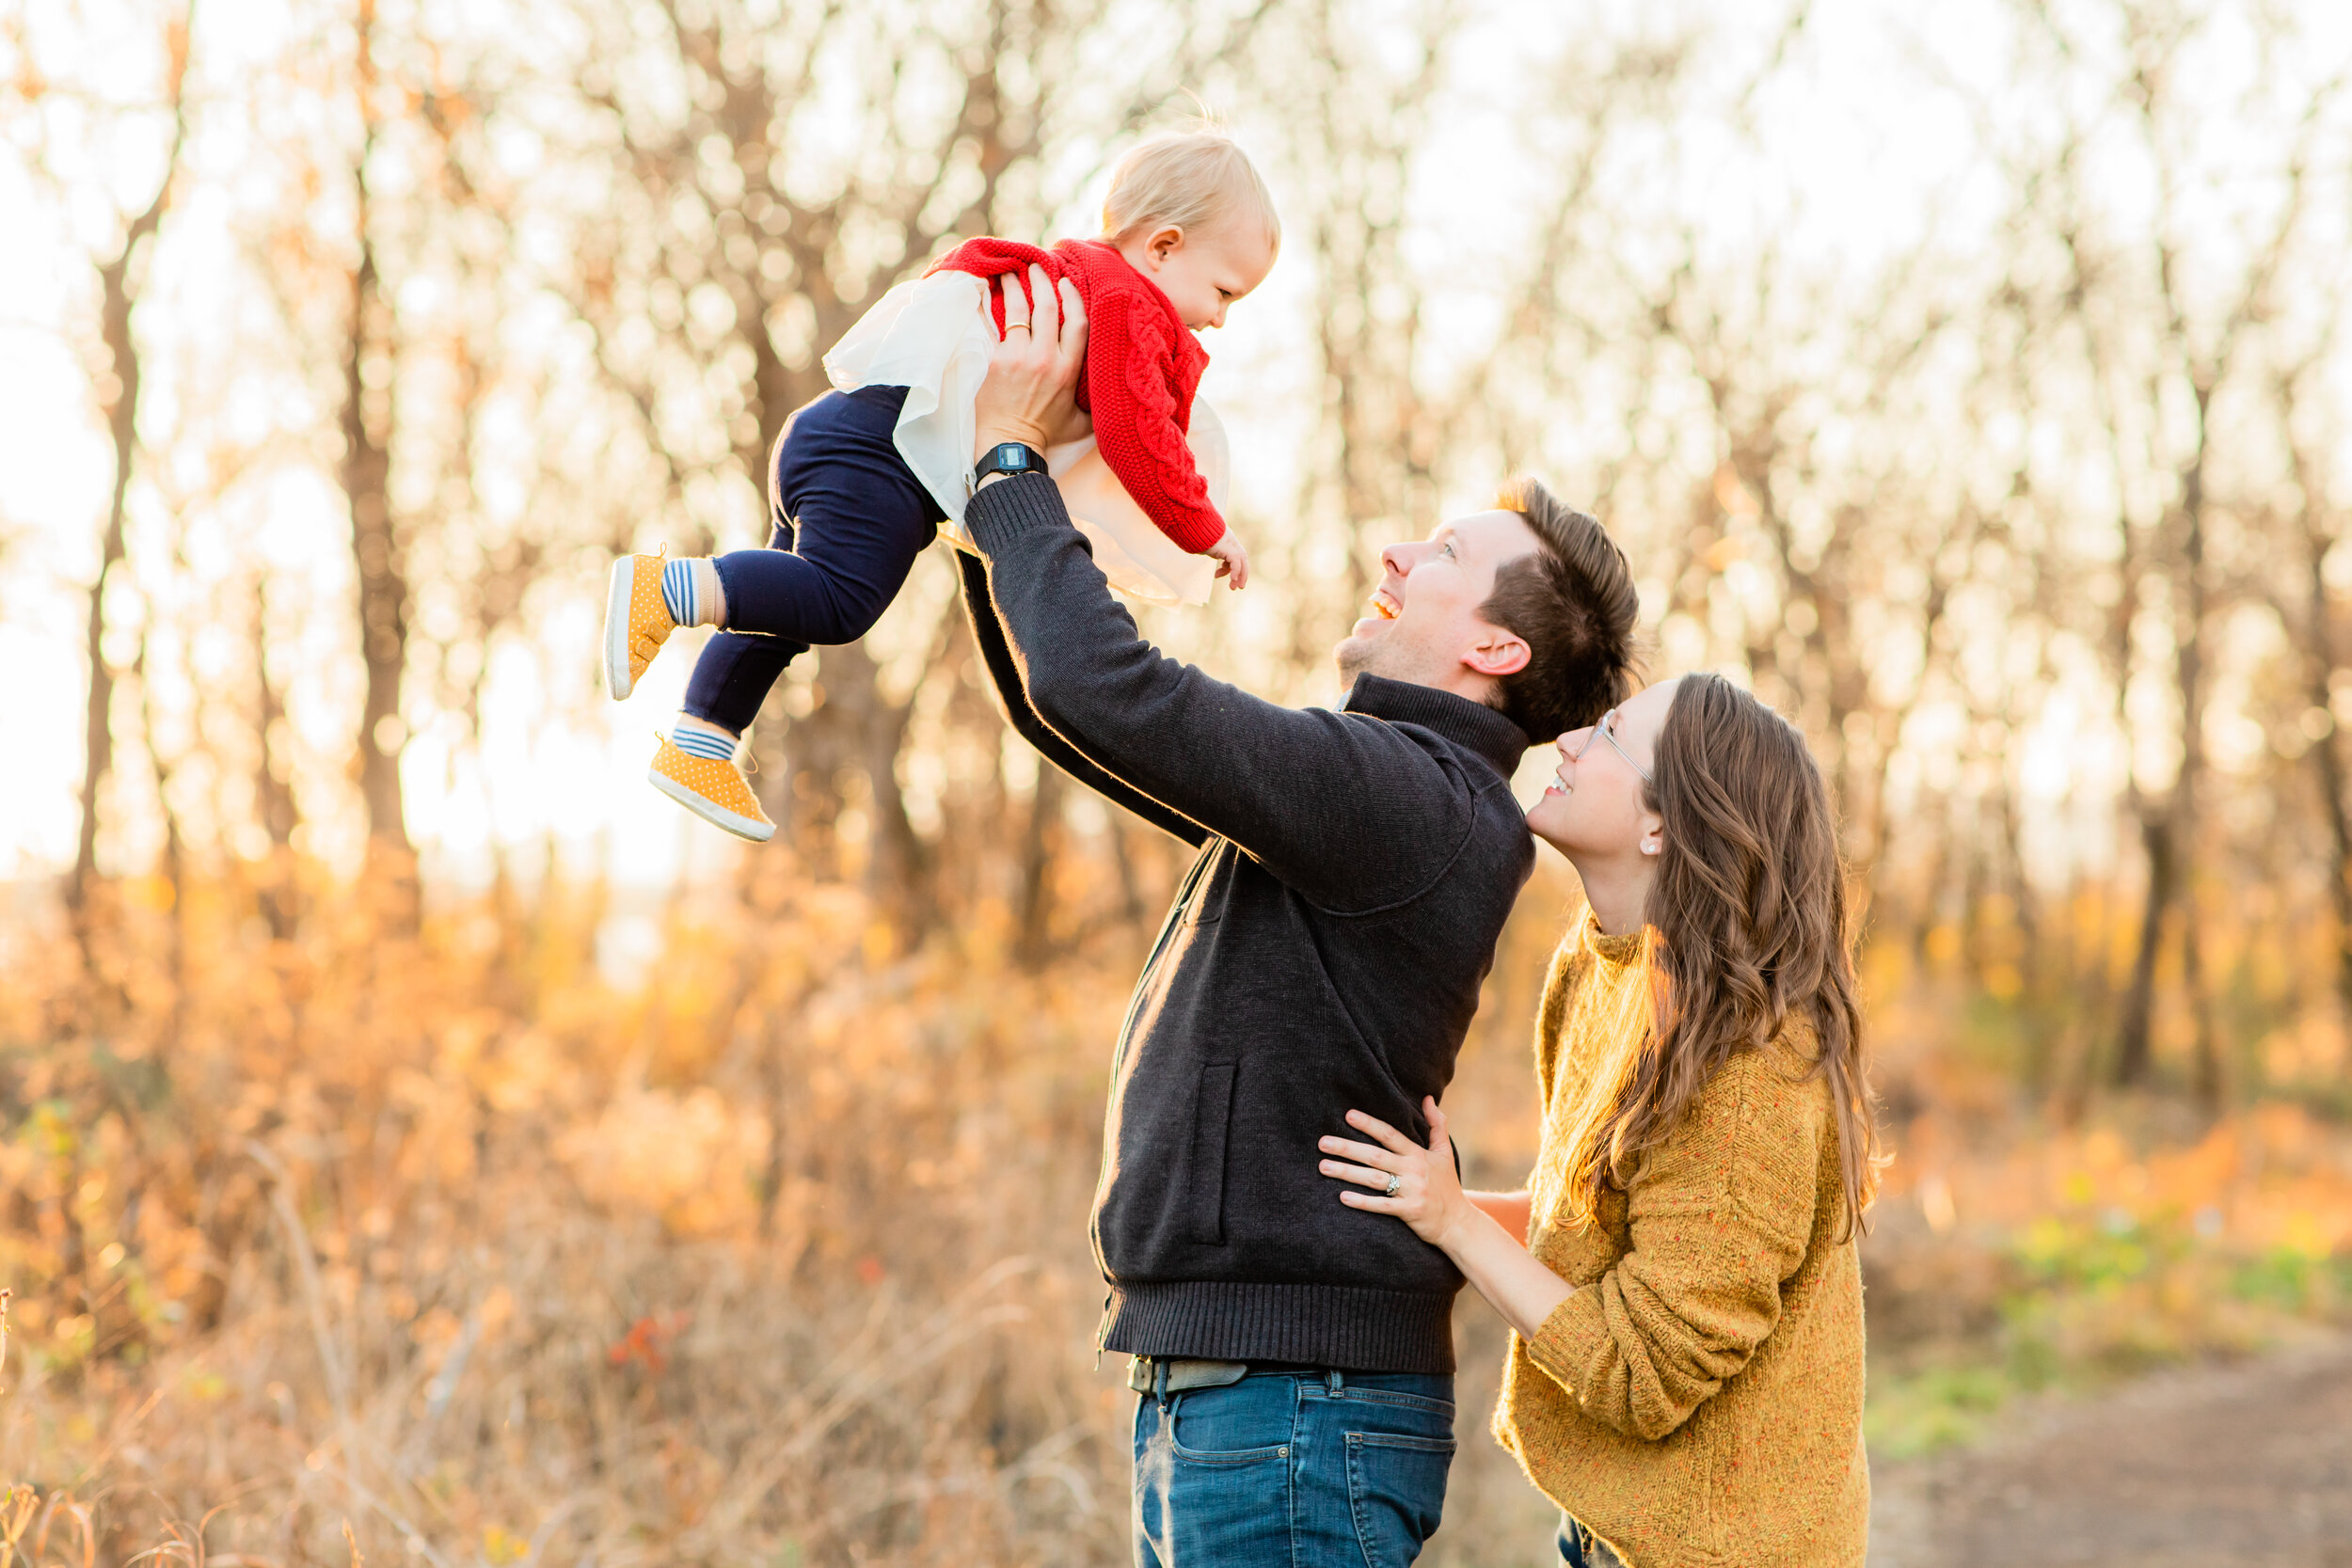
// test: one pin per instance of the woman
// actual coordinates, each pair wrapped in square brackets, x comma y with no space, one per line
[1685,1376]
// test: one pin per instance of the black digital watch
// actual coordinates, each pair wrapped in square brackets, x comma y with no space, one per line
[1009,457]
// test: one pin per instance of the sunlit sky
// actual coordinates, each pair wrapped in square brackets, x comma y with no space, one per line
[1865,151]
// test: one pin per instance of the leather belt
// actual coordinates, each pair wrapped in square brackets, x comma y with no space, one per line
[1186,1373]
[1144,1373]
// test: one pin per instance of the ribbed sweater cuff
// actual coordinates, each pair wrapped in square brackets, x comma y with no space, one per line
[1350,1328]
[1003,513]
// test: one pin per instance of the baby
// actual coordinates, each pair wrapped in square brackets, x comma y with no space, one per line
[865,476]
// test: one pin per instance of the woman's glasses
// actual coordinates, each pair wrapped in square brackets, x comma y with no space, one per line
[1607,730]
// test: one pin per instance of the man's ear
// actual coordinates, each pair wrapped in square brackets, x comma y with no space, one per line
[1499,652]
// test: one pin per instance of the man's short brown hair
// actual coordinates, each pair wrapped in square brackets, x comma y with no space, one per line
[1574,603]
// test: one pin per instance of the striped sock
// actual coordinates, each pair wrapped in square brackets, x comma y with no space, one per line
[690,587]
[700,738]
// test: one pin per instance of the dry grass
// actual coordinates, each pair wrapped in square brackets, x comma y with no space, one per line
[778,1259]
[444,1240]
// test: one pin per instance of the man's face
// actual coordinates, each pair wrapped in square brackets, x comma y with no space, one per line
[1425,626]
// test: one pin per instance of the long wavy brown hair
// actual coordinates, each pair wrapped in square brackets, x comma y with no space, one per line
[1746,925]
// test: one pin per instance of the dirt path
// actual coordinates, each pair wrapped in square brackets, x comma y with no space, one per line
[2242,1465]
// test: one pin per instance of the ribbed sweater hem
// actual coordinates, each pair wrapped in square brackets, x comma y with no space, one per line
[1345,1326]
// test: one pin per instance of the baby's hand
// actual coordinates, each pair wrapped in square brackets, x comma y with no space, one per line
[1233,561]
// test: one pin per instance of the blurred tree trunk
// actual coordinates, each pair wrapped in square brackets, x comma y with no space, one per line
[278,890]
[2156,395]
[1033,920]
[380,567]
[2169,824]
[2314,535]
[122,279]
[173,861]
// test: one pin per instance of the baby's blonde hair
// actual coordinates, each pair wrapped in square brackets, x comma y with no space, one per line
[1189,180]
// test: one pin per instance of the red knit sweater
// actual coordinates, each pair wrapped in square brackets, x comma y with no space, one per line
[1142,368]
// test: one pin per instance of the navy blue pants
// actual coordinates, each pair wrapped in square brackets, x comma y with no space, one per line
[849,519]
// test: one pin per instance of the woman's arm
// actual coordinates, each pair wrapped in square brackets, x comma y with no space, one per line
[1499,1268]
[1720,1219]
[1482,1232]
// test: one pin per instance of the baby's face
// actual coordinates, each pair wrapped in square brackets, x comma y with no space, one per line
[1205,271]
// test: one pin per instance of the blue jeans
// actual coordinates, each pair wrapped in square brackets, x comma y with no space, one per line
[847,519]
[1293,1470]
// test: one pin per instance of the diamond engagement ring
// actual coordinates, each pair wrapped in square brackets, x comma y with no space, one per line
[1395,1181]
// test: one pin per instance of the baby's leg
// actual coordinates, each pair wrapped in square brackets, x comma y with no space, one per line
[735,670]
[837,467]
[860,517]
[848,519]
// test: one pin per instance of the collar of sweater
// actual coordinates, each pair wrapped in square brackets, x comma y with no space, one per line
[1497,740]
[1615,953]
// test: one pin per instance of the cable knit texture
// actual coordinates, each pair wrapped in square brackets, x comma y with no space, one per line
[1699,1399]
[1143,365]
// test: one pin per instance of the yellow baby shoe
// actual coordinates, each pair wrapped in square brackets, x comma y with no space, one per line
[636,621]
[713,788]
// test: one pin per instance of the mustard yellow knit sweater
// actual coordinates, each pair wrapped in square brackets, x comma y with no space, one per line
[1699,1399]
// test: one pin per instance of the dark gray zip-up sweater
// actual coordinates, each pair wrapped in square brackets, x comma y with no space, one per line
[1325,952]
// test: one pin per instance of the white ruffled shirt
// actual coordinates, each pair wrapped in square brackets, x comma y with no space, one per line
[933,336]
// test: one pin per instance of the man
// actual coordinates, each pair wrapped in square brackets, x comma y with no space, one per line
[1292,1356]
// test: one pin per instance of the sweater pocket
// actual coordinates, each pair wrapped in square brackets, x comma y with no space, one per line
[1212,1114]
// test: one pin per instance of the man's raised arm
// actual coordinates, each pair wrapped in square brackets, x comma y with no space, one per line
[1350,811]
[1005,674]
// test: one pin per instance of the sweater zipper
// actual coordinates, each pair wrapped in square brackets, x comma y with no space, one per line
[1118,1060]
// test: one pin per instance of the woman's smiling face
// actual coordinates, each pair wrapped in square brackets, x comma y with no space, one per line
[1594,804]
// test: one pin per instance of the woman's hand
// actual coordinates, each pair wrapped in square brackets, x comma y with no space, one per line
[1031,392]
[1429,1197]
[1428,1190]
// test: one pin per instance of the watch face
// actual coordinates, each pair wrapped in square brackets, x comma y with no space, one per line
[1013,456]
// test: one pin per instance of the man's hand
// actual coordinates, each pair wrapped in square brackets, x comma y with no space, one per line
[1232,560]
[1031,392]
